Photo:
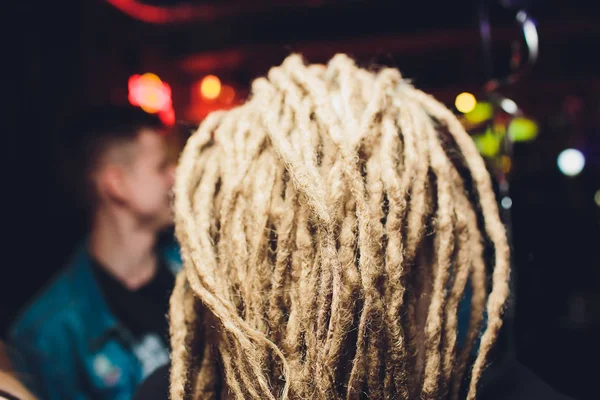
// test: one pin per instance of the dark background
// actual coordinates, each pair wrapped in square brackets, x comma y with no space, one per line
[62,56]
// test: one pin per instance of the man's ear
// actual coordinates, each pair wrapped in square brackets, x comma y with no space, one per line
[112,184]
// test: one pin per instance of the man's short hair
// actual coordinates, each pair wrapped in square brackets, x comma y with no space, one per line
[90,135]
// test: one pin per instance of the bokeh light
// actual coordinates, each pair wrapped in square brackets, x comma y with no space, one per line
[523,130]
[465,102]
[506,202]
[167,116]
[597,197]
[509,106]
[227,94]
[488,143]
[571,162]
[210,87]
[480,113]
[149,92]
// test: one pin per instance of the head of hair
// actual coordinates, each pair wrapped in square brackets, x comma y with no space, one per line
[329,227]
[90,135]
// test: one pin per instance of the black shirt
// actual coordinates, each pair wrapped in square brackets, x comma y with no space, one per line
[142,311]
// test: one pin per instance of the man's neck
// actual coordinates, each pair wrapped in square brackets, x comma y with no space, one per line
[123,248]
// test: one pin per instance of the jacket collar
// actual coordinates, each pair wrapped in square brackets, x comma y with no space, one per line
[97,320]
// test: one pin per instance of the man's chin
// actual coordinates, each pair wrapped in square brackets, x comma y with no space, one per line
[169,220]
[165,223]
[161,222]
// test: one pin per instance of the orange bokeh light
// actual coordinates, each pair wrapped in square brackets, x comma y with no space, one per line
[210,87]
[150,93]
[227,94]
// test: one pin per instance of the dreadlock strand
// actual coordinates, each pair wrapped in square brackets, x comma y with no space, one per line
[461,269]
[418,211]
[285,238]
[179,340]
[207,378]
[444,225]
[376,345]
[349,297]
[260,192]
[477,279]
[396,188]
[298,323]
[233,376]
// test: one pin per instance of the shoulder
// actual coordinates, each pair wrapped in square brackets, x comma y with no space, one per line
[41,338]
[54,306]
[512,380]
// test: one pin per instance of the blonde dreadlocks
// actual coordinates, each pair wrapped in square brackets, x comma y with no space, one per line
[328,237]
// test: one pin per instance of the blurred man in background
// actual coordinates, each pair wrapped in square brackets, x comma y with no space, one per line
[100,327]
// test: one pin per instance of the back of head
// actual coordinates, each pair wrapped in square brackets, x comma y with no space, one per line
[328,236]
[91,134]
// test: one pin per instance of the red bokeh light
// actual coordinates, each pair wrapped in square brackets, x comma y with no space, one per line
[152,95]
[167,116]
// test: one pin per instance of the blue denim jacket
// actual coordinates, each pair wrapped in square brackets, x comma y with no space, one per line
[67,345]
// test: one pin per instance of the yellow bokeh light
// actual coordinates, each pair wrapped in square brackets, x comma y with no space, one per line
[210,87]
[480,113]
[488,143]
[150,77]
[465,102]
[150,109]
[523,130]
[597,198]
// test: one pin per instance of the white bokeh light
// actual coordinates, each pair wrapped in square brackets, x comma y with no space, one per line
[506,203]
[509,106]
[571,162]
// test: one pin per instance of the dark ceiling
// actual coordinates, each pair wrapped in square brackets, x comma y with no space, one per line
[260,32]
